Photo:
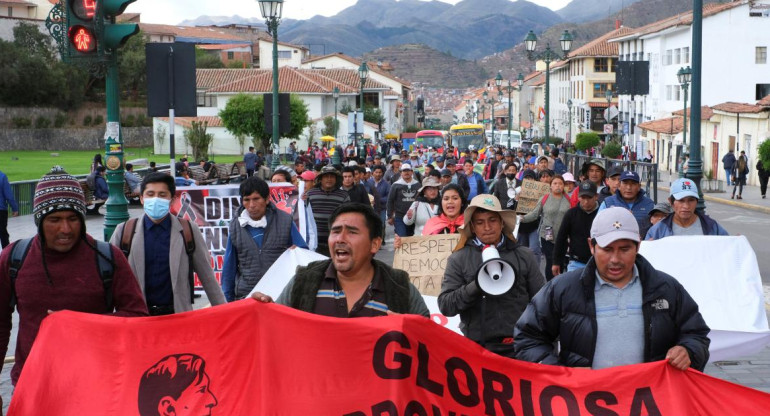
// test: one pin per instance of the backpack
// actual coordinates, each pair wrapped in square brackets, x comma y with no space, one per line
[189,247]
[104,263]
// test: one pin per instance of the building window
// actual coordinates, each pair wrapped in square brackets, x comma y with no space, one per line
[677,90]
[667,58]
[763,90]
[230,55]
[613,65]
[600,89]
[668,92]
[600,65]
[677,56]
[284,54]
[686,55]
[761,55]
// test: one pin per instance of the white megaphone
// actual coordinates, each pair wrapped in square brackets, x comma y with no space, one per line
[495,276]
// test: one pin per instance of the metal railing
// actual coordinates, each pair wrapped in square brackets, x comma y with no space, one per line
[24,191]
[648,172]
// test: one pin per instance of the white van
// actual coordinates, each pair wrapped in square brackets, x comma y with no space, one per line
[502,138]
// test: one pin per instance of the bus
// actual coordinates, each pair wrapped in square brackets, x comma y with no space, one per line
[462,136]
[430,138]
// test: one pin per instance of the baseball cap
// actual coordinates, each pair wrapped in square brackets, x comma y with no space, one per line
[568,177]
[629,176]
[614,171]
[614,224]
[445,172]
[682,188]
[663,207]
[308,175]
[440,159]
[406,166]
[451,162]
[587,188]
[597,162]
[395,157]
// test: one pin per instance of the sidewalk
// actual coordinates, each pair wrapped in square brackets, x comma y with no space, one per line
[752,198]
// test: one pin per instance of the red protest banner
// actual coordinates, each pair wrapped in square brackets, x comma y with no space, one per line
[248,358]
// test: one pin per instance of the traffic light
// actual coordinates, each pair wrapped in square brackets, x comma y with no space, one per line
[81,23]
[115,35]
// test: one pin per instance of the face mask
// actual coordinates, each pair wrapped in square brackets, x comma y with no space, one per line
[156,208]
[510,176]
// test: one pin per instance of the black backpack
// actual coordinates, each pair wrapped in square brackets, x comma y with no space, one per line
[104,263]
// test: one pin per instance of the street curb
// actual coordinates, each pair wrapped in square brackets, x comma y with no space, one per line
[710,198]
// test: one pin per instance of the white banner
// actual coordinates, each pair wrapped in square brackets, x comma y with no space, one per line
[722,275]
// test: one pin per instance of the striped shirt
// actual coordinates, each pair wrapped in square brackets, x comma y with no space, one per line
[331,300]
[324,203]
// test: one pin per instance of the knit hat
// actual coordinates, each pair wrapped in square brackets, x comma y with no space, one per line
[58,191]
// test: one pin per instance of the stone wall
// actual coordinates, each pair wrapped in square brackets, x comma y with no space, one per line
[69,139]
[74,118]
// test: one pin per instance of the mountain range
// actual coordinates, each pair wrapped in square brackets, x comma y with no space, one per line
[470,29]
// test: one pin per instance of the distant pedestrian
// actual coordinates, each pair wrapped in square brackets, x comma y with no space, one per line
[741,171]
[7,199]
[685,220]
[764,175]
[250,160]
[324,198]
[728,162]
[101,191]
[96,162]
[402,194]
[632,197]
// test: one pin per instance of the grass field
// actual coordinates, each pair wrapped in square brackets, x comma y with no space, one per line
[28,165]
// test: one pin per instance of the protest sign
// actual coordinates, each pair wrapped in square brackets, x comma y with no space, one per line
[213,207]
[531,193]
[424,258]
[252,358]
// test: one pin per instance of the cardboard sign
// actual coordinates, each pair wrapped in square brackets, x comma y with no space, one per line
[531,193]
[425,258]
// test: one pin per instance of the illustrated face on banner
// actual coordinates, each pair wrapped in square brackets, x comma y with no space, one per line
[176,385]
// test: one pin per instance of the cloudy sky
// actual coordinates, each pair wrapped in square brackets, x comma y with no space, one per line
[175,11]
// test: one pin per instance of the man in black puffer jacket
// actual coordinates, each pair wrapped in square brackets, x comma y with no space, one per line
[618,310]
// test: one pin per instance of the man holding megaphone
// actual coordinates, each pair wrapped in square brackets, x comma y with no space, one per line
[490,277]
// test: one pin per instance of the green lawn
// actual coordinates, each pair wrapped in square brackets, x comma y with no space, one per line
[27,165]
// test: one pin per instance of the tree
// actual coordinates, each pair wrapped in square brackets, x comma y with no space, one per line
[197,138]
[586,140]
[374,116]
[204,59]
[244,116]
[132,66]
[346,108]
[764,153]
[236,65]
[612,150]
[329,126]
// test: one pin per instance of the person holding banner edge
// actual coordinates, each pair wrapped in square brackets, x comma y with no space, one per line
[257,237]
[488,224]
[618,310]
[352,283]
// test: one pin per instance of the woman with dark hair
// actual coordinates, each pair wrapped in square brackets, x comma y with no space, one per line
[450,212]
[97,162]
[550,211]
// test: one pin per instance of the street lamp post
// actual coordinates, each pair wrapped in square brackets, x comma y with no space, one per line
[363,73]
[547,56]
[336,95]
[520,83]
[683,76]
[509,89]
[569,120]
[608,96]
[478,104]
[695,165]
[484,112]
[498,84]
[271,12]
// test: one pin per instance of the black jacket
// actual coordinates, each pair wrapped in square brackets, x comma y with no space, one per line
[565,310]
[573,236]
[358,194]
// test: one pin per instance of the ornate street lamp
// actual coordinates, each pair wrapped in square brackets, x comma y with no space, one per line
[684,76]
[547,56]
[485,101]
[271,12]
[478,105]
[520,83]
[509,89]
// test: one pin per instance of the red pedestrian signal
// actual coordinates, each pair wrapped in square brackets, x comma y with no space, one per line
[82,39]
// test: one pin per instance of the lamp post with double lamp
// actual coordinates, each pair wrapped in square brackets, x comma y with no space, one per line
[476,112]
[336,96]
[271,12]
[608,96]
[484,111]
[509,89]
[547,56]
[520,84]
[498,84]
[684,76]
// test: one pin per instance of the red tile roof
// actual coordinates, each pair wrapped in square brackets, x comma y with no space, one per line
[221,46]
[705,112]
[357,62]
[670,125]
[682,19]
[186,122]
[730,107]
[600,46]
[312,81]
[765,101]
[190,32]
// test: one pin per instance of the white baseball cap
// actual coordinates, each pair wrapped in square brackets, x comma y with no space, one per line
[614,224]
[406,166]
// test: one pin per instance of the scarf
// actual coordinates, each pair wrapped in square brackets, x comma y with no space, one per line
[437,224]
[244,219]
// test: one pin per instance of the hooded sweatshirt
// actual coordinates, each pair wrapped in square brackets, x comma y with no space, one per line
[401,196]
